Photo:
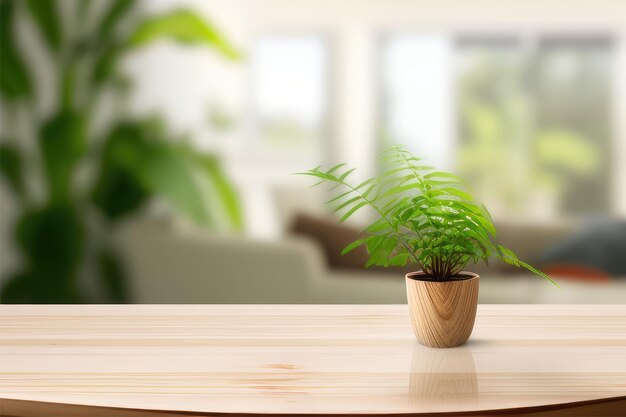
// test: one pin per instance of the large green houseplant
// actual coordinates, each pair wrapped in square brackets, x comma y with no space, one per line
[74,180]
[424,217]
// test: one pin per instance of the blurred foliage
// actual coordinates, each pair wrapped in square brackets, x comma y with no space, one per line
[565,153]
[14,79]
[185,27]
[288,131]
[512,144]
[65,237]
[219,118]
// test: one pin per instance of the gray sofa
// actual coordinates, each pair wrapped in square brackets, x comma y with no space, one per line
[170,264]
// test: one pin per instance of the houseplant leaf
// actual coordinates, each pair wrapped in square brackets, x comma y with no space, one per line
[105,65]
[118,191]
[136,155]
[111,48]
[182,26]
[11,167]
[116,11]
[113,277]
[17,288]
[52,240]
[15,80]
[163,169]
[47,19]
[63,141]
[220,192]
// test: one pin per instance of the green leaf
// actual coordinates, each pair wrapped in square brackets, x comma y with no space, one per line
[457,193]
[335,168]
[15,81]
[370,182]
[118,191]
[11,168]
[345,175]
[378,226]
[350,212]
[399,260]
[442,175]
[163,169]
[374,242]
[538,272]
[185,27]
[113,276]
[403,189]
[348,202]
[220,191]
[112,48]
[83,9]
[116,11]
[105,64]
[374,259]
[352,246]
[332,200]
[138,157]
[52,241]
[486,224]
[507,253]
[46,17]
[393,204]
[63,142]
[18,289]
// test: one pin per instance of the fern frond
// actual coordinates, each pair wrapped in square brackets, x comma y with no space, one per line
[424,216]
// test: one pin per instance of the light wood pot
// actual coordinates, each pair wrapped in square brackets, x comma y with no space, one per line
[442,313]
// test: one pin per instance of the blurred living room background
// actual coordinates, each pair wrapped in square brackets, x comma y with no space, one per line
[148,148]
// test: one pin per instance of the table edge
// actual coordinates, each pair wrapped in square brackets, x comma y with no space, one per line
[10,407]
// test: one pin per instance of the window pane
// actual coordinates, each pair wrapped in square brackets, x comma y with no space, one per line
[524,120]
[534,126]
[572,137]
[290,100]
[494,118]
[417,95]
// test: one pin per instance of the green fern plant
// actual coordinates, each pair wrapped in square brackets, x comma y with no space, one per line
[423,217]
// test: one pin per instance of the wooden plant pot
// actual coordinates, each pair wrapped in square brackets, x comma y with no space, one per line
[442,313]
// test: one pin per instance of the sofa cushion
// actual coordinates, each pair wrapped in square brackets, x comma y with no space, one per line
[333,238]
[600,244]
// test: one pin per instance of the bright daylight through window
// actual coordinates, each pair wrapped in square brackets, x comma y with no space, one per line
[525,120]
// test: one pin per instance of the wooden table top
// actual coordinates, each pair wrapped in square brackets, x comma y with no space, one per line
[330,359]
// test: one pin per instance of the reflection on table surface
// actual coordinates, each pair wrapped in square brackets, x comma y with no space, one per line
[443,376]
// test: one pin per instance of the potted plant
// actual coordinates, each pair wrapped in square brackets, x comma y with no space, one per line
[78,163]
[423,216]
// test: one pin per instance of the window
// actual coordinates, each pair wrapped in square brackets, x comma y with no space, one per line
[417,94]
[531,116]
[290,77]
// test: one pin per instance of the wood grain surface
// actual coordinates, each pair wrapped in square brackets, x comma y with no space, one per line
[173,360]
[442,313]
